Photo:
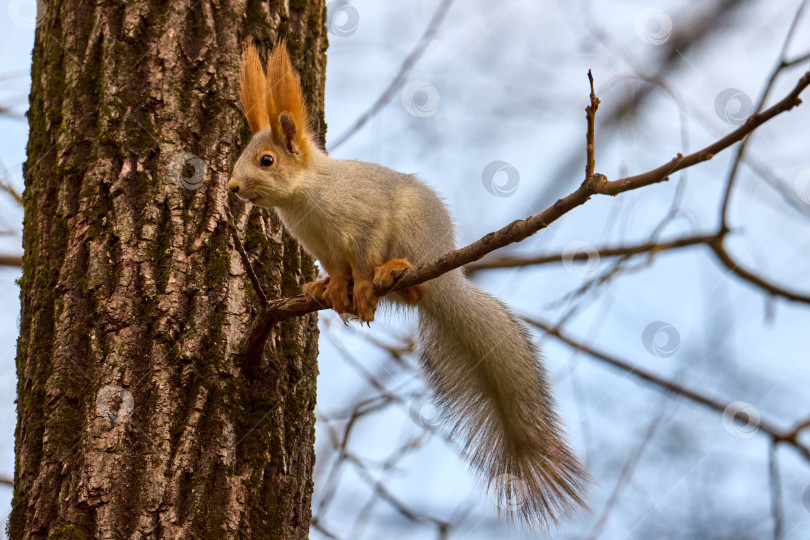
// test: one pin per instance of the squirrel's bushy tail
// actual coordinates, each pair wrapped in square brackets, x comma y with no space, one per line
[480,361]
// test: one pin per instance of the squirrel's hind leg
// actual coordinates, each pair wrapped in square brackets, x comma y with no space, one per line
[412,295]
[387,275]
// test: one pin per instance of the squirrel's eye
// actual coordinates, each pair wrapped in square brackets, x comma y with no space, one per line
[267,160]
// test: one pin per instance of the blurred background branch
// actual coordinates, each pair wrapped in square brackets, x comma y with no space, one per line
[700,425]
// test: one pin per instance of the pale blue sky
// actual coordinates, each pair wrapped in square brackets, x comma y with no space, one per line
[511,82]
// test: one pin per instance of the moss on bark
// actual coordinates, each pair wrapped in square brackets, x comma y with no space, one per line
[137,416]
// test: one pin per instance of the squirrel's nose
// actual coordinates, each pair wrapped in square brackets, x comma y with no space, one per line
[233,185]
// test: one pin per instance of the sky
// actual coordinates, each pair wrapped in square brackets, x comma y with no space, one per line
[506,83]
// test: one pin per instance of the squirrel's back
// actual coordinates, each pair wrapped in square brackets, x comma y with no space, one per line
[390,211]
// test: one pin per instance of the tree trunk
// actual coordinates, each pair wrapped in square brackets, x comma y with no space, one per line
[139,416]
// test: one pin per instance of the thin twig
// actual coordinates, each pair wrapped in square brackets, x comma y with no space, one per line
[318,526]
[237,243]
[8,188]
[798,60]
[692,32]
[628,469]
[590,115]
[396,83]
[11,260]
[5,185]
[604,252]
[776,491]
[735,164]
[719,249]
[766,427]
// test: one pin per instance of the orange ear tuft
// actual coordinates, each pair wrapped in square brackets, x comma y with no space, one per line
[284,95]
[253,90]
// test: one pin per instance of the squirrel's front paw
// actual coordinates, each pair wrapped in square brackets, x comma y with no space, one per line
[336,294]
[365,301]
[387,274]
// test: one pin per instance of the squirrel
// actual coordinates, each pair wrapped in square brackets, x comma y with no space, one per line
[366,224]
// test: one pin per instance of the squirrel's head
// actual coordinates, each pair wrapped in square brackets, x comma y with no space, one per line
[273,164]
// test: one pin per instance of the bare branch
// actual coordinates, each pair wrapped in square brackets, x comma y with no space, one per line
[607,251]
[701,22]
[11,260]
[728,261]
[285,308]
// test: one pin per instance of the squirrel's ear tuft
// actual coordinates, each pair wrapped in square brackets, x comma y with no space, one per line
[285,102]
[253,90]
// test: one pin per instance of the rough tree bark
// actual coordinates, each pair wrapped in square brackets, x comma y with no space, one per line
[139,416]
